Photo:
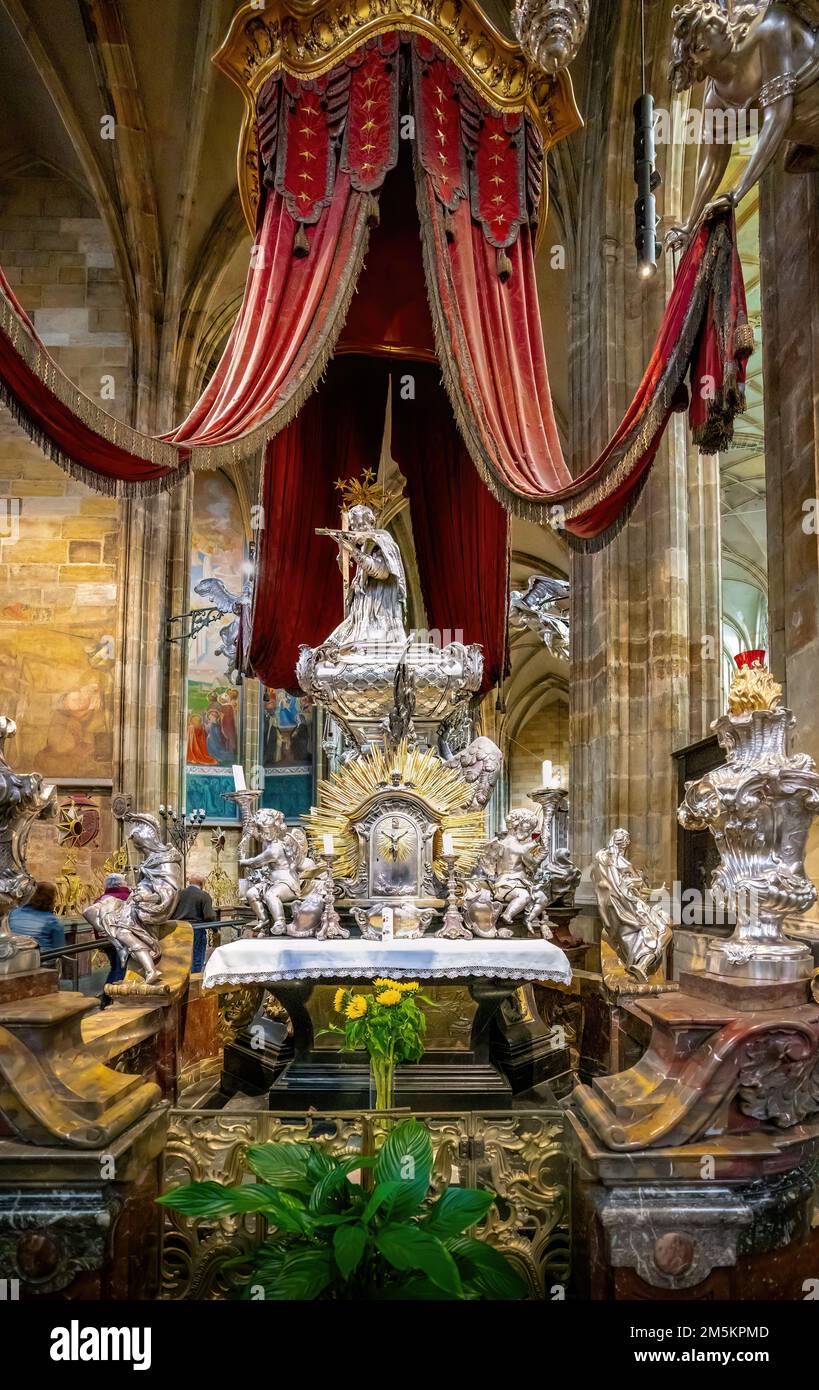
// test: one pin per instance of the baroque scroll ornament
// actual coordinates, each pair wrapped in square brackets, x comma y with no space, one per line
[759,806]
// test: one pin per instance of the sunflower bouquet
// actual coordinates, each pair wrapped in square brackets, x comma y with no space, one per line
[386,1023]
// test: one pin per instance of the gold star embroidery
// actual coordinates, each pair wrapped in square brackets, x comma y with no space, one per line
[438,113]
[307,130]
[365,149]
[496,178]
[441,93]
[496,136]
[367,166]
[368,125]
[367,104]
[496,158]
[306,175]
[306,154]
[498,198]
[369,80]
[439,135]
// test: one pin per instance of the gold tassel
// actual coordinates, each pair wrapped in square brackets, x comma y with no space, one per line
[372,211]
[301,246]
[504,265]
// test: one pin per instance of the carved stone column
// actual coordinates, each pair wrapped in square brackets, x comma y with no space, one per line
[789,235]
[636,629]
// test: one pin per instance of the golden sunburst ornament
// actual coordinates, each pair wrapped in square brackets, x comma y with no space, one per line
[344,797]
[365,491]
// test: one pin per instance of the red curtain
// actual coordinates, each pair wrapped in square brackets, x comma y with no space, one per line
[326,146]
[292,312]
[298,596]
[460,531]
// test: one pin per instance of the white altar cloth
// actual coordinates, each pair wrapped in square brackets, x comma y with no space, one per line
[272,960]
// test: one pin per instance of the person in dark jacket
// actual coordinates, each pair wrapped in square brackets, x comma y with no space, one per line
[39,920]
[195,905]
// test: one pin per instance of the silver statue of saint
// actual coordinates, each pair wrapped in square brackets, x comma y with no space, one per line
[761,57]
[636,928]
[377,595]
[132,925]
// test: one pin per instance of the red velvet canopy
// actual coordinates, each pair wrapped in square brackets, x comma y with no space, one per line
[329,166]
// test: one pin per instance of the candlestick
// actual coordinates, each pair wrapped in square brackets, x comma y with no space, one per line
[547,773]
[239,783]
[331,928]
[454,927]
[328,845]
[448,849]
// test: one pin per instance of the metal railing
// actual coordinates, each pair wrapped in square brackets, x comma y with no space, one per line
[520,1155]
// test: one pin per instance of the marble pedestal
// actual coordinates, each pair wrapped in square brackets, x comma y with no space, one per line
[83,1225]
[696,1167]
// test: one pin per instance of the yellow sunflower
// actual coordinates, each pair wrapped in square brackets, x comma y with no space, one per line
[383,982]
[338,1001]
[409,986]
[357,1006]
[389,996]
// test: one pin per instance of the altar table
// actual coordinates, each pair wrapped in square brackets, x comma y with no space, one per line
[274,960]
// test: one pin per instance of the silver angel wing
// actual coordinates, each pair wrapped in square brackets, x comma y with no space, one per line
[217,594]
[296,846]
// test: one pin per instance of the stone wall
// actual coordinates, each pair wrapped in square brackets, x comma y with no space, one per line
[544,735]
[61,552]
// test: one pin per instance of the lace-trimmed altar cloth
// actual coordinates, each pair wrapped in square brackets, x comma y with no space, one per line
[277,959]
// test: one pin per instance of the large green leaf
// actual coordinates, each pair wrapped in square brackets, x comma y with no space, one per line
[456,1210]
[349,1244]
[383,1195]
[282,1165]
[214,1199]
[301,1276]
[406,1247]
[487,1268]
[406,1157]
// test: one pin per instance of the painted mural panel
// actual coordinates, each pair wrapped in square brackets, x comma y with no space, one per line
[286,730]
[214,706]
[58,615]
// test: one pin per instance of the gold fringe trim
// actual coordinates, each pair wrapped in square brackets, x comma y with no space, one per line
[157,452]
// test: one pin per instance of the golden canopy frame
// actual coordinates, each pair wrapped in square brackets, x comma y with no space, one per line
[308,37]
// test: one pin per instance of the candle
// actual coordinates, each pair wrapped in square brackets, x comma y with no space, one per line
[239,783]
[448,850]
[547,773]
[329,847]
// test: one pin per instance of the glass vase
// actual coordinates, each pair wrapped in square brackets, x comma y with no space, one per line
[382,1083]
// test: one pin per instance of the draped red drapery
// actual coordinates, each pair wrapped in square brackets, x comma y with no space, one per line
[326,146]
[298,595]
[461,533]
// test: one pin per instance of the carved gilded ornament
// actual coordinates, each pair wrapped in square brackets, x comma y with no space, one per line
[307,38]
[753,688]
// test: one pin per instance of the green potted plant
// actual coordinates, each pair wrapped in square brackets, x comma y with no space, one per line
[330,1237]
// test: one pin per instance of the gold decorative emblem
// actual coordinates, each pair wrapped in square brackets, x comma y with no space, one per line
[344,796]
